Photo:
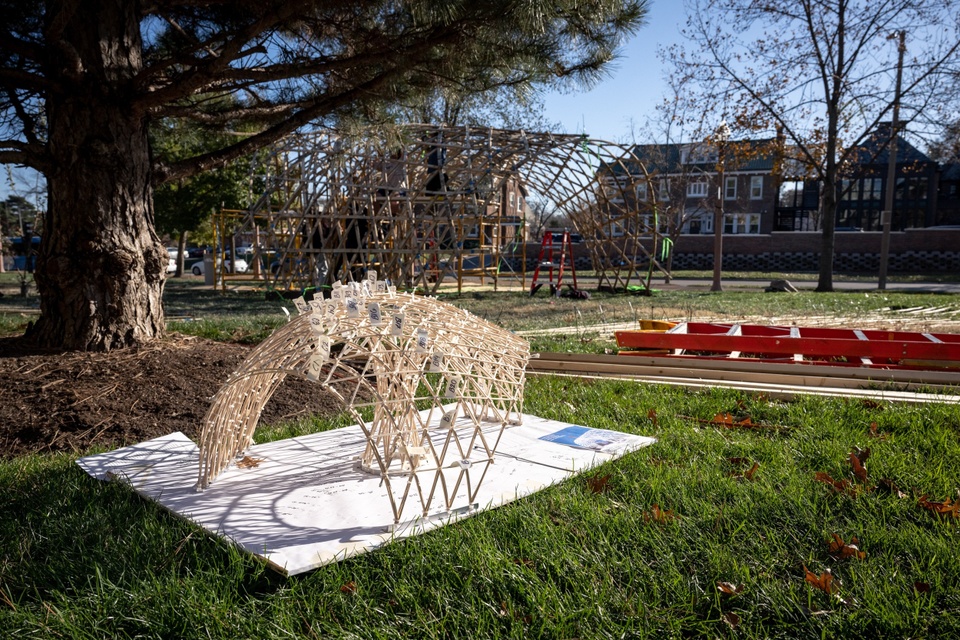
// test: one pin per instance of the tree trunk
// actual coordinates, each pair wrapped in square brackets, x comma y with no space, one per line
[101,264]
[828,215]
[181,253]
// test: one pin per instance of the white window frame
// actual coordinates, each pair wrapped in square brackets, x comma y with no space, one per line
[664,190]
[750,221]
[697,189]
[728,193]
[641,191]
[756,187]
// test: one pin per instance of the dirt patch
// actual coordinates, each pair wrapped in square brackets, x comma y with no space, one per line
[72,401]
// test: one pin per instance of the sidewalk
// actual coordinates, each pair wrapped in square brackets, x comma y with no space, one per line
[809,285]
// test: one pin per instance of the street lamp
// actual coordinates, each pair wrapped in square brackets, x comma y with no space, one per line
[720,137]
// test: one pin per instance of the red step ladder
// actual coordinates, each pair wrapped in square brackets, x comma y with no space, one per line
[546,260]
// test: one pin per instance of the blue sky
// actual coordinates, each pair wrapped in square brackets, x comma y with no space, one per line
[631,89]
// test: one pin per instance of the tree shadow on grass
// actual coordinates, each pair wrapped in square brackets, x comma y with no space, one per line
[62,532]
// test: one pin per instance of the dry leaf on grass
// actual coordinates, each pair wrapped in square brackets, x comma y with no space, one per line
[652,415]
[874,433]
[840,549]
[731,619]
[729,589]
[946,509]
[598,484]
[840,486]
[661,516]
[824,582]
[350,587]
[886,485]
[921,587]
[857,459]
[745,475]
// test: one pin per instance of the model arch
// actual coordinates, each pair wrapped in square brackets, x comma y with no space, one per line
[431,385]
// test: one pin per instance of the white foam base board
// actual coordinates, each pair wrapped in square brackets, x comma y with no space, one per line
[306,504]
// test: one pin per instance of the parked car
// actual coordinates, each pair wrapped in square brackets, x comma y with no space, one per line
[241,267]
[172,252]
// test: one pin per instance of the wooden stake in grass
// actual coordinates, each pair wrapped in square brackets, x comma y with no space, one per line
[392,353]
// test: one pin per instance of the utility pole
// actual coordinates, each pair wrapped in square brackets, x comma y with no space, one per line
[887,215]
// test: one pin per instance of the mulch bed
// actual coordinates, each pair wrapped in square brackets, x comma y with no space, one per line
[74,400]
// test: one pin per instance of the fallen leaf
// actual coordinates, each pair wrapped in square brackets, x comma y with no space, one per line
[524,562]
[886,485]
[350,587]
[731,619]
[840,486]
[746,475]
[843,550]
[652,415]
[947,508]
[656,514]
[728,588]
[857,458]
[921,587]
[249,463]
[871,404]
[723,419]
[874,433]
[598,484]
[824,582]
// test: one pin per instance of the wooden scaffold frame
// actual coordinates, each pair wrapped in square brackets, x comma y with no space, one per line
[421,204]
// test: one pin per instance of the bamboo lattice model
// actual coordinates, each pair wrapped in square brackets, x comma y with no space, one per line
[397,354]
[423,203]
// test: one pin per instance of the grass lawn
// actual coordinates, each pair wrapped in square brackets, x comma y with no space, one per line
[648,553]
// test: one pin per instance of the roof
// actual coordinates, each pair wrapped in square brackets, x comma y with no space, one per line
[950,172]
[875,149]
[741,155]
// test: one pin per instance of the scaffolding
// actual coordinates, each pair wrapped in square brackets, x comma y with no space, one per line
[424,204]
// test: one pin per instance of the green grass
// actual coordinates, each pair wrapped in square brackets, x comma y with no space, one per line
[85,559]
[247,316]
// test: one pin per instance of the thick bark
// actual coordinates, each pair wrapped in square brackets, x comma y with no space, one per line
[100,268]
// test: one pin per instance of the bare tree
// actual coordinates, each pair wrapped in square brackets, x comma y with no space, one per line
[822,71]
[82,80]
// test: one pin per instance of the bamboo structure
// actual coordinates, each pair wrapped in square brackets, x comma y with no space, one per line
[403,357]
[423,203]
